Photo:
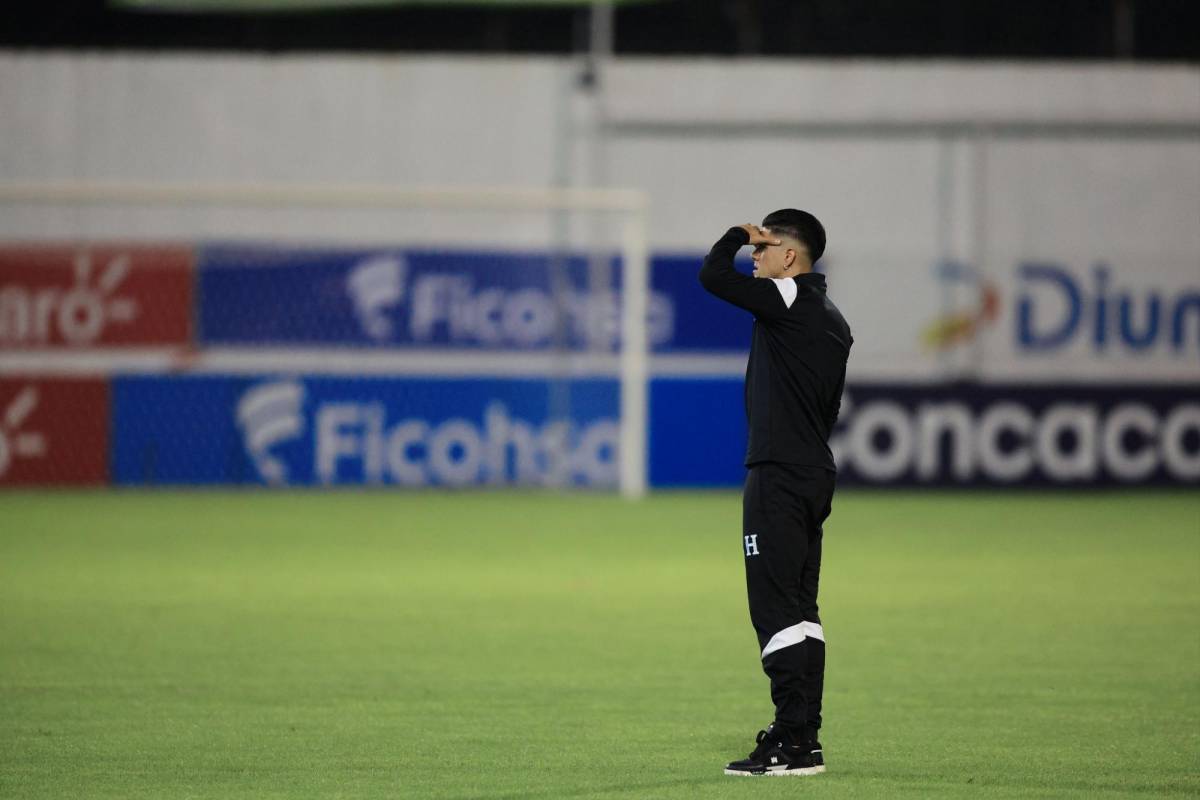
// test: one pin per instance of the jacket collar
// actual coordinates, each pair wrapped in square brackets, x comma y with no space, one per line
[814,280]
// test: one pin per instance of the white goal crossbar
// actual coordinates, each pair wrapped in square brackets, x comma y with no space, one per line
[629,205]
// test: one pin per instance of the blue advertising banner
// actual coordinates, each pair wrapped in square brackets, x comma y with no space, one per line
[697,432]
[702,323]
[326,431]
[269,295]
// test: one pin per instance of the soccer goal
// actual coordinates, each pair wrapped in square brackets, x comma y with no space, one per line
[333,335]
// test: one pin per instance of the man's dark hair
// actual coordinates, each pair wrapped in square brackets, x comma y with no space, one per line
[799,225]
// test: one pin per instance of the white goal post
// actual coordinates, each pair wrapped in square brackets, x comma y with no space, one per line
[628,206]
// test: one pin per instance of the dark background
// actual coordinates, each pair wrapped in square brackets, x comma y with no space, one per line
[1149,30]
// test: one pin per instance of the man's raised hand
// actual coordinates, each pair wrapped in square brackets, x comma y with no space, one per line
[759,235]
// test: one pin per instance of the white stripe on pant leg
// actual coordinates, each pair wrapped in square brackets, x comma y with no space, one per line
[794,635]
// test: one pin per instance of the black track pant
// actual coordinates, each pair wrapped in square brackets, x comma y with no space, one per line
[782,510]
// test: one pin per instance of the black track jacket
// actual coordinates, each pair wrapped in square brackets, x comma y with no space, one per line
[797,366]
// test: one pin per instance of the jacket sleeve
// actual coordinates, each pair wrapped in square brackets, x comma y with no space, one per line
[762,298]
[835,405]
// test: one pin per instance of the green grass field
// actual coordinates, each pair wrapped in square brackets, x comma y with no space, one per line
[513,645]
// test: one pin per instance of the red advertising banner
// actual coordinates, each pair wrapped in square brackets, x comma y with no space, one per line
[114,295]
[53,431]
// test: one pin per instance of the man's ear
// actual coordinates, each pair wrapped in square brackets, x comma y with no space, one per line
[789,258]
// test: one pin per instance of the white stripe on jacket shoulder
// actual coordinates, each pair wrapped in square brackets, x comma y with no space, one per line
[787,290]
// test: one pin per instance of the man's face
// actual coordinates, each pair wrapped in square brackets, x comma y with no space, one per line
[772,260]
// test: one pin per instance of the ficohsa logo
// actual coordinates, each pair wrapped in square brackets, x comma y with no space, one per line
[449,307]
[270,414]
[79,314]
[376,286]
[1006,441]
[356,442]
[357,438]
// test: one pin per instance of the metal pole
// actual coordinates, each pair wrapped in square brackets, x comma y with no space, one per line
[634,365]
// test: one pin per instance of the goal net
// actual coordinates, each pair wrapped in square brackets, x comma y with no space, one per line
[323,335]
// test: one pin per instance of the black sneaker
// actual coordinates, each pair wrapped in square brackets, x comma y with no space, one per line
[775,757]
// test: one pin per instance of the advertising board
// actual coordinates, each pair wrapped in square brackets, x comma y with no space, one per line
[53,431]
[372,431]
[490,300]
[79,296]
[1091,321]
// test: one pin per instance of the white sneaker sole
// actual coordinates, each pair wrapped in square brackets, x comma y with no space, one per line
[778,771]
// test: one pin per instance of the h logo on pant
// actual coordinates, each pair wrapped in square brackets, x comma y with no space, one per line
[751,544]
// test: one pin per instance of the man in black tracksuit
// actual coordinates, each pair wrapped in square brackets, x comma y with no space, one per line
[794,382]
